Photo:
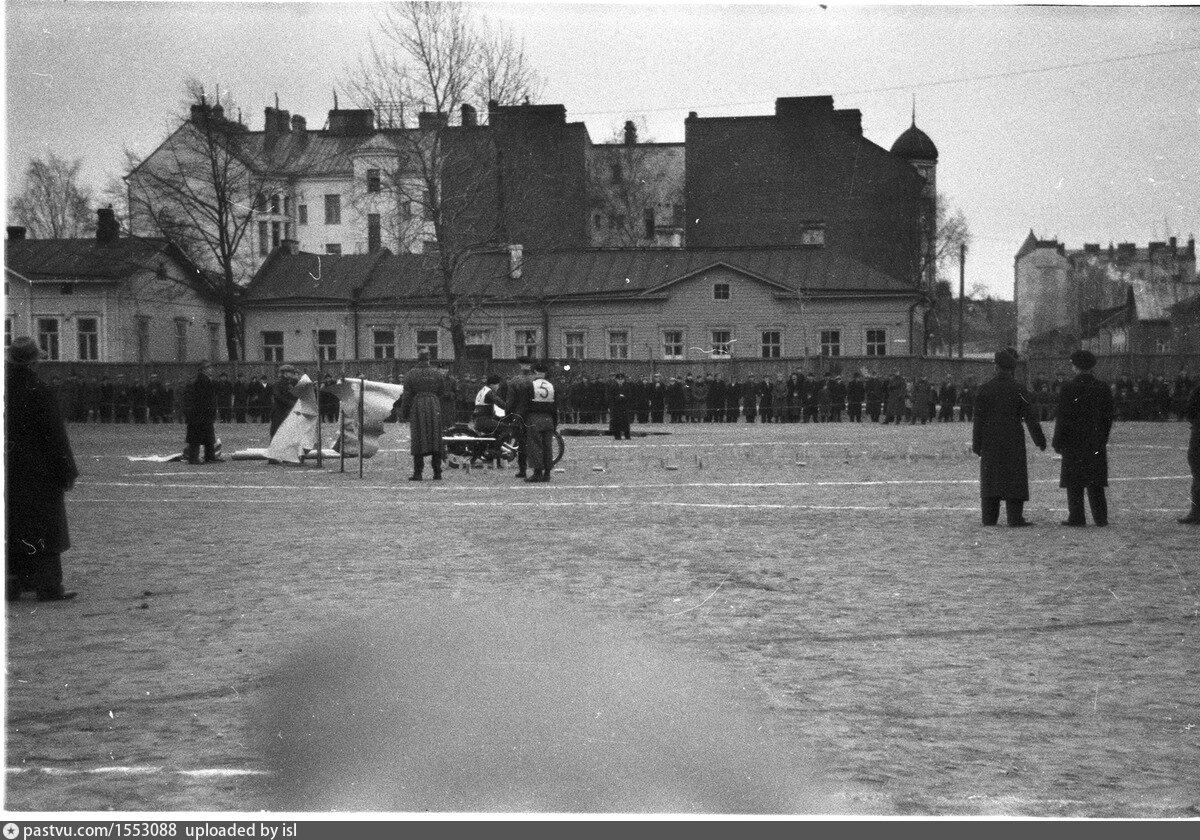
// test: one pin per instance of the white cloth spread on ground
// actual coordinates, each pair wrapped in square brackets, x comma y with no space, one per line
[378,399]
[298,432]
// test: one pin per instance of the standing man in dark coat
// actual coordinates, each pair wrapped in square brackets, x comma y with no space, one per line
[658,398]
[224,397]
[535,402]
[1001,406]
[618,407]
[40,469]
[517,421]
[856,393]
[283,396]
[241,396]
[421,407]
[1191,411]
[1083,421]
[200,415]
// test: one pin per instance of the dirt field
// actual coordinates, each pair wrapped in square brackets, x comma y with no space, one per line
[834,576]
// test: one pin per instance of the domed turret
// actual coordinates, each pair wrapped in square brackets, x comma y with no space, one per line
[914,144]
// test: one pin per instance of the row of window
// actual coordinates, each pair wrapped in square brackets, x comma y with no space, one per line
[49,335]
[527,342]
[616,221]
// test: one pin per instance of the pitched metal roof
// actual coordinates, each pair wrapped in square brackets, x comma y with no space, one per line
[561,275]
[89,259]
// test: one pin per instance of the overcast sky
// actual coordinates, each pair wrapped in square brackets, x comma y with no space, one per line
[1078,122]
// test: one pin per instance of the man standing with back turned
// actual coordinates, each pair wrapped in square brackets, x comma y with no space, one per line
[1001,406]
[1081,428]
[421,406]
[534,401]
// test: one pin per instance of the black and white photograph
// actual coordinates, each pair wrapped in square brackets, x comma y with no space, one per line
[599,411]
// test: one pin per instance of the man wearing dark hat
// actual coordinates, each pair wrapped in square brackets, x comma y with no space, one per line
[283,396]
[518,383]
[534,402]
[1001,406]
[200,413]
[40,468]
[619,407]
[421,408]
[1081,428]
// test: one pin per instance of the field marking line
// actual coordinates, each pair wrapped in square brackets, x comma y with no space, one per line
[137,771]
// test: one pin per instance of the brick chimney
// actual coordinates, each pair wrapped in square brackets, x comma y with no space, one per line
[469,118]
[299,124]
[432,120]
[630,133]
[16,232]
[107,229]
[290,246]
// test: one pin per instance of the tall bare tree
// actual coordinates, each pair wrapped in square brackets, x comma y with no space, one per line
[635,189]
[54,204]
[199,190]
[444,184]
[951,233]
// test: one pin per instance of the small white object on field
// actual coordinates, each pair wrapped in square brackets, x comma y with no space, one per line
[597,468]
[672,467]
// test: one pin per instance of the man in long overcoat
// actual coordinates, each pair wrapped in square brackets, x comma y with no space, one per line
[40,469]
[1083,421]
[1002,405]
[421,407]
[199,415]
[1191,412]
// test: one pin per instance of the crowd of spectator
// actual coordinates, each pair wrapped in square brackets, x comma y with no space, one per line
[798,398]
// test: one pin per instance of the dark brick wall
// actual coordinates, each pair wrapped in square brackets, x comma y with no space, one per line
[758,180]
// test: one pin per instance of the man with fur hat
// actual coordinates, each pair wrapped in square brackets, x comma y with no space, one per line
[1081,428]
[40,469]
[1001,406]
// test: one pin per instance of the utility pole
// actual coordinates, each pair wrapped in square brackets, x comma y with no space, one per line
[962,286]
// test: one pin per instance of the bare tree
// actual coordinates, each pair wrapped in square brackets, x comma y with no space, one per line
[199,191]
[54,204]
[635,189]
[443,185]
[942,252]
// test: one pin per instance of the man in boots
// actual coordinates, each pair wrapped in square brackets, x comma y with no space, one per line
[1084,420]
[200,415]
[421,407]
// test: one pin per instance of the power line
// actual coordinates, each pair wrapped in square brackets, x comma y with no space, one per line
[916,85]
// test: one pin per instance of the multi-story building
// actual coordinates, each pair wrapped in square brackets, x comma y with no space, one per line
[109,299]
[1073,291]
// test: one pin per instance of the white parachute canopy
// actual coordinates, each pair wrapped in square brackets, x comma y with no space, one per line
[378,399]
[297,434]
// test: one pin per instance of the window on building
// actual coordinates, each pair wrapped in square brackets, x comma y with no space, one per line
[373,184]
[876,344]
[260,203]
[333,248]
[677,215]
[275,203]
[673,344]
[383,344]
[327,345]
[181,342]
[615,175]
[722,341]
[812,235]
[427,340]
[573,344]
[272,346]
[66,288]
[648,222]
[264,238]
[1162,345]
[616,221]
[772,344]
[143,339]
[618,344]
[87,331]
[374,232]
[333,209]
[720,291]
[302,214]
[831,342]
[8,336]
[480,338]
[598,220]
[289,230]
[525,343]
[214,341]
[47,336]
[287,206]
[276,233]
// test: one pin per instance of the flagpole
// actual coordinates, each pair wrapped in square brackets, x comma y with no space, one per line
[342,437]
[362,389]
[320,462]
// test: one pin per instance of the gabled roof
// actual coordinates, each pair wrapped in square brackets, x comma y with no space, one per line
[563,275]
[312,277]
[88,259]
